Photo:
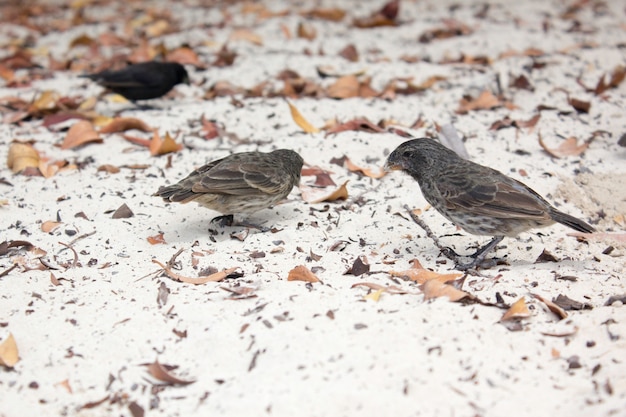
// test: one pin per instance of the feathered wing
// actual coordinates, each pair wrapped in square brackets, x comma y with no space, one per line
[500,197]
[233,177]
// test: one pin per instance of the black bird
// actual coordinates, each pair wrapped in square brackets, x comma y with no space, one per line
[142,81]
[239,183]
[479,199]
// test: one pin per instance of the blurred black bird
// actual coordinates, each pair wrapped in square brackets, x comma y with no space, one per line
[479,199]
[142,81]
[239,183]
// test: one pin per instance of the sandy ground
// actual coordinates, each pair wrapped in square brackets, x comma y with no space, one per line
[258,344]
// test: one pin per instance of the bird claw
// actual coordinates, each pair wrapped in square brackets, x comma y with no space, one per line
[225,220]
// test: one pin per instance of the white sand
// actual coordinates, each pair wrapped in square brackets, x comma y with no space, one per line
[297,349]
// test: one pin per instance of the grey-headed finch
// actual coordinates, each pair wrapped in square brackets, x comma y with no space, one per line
[479,199]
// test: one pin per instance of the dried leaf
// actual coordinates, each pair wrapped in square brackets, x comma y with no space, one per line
[81,133]
[122,124]
[218,276]
[300,120]
[518,310]
[392,289]
[157,239]
[9,355]
[185,56]
[350,53]
[600,236]
[358,124]
[374,295]
[345,87]
[306,30]
[569,147]
[368,172]
[163,146]
[360,266]
[334,14]
[302,273]
[561,314]
[580,106]
[310,194]
[420,274]
[485,101]
[161,373]
[49,226]
[22,156]
[434,288]
[123,212]
[111,169]
[246,35]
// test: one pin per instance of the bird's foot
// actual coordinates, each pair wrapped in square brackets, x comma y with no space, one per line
[225,220]
[478,257]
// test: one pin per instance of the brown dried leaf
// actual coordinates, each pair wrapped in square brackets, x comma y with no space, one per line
[111,169]
[334,14]
[302,273]
[163,146]
[580,106]
[9,354]
[49,226]
[161,373]
[569,147]
[157,239]
[368,172]
[122,124]
[246,35]
[306,30]
[600,236]
[421,275]
[561,314]
[485,101]
[81,133]
[518,310]
[434,288]
[123,212]
[344,87]
[310,194]
[358,124]
[218,276]
[184,56]
[22,156]
[322,177]
[360,266]
[350,53]
[300,120]
[451,28]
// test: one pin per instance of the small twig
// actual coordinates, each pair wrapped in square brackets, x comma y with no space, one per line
[75,262]
[428,231]
[172,260]
[7,271]
[76,239]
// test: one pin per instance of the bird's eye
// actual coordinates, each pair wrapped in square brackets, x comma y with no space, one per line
[407,154]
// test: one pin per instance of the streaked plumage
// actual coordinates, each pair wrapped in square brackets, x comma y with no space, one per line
[479,199]
[240,183]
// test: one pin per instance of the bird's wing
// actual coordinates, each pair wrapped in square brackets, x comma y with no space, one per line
[238,178]
[493,195]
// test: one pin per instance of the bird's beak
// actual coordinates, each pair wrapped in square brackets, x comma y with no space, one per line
[390,166]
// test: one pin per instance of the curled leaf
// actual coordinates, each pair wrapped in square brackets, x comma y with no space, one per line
[22,156]
[163,146]
[50,226]
[569,147]
[518,310]
[161,373]
[81,133]
[300,120]
[311,195]
[122,124]
[433,288]
[157,239]
[368,172]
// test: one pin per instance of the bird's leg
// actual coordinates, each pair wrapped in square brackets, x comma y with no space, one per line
[225,220]
[479,255]
[447,251]
[260,228]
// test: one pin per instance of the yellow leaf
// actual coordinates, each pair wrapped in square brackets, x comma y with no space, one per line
[9,355]
[374,295]
[22,156]
[301,121]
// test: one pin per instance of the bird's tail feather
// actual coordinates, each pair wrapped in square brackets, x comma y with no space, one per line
[571,221]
